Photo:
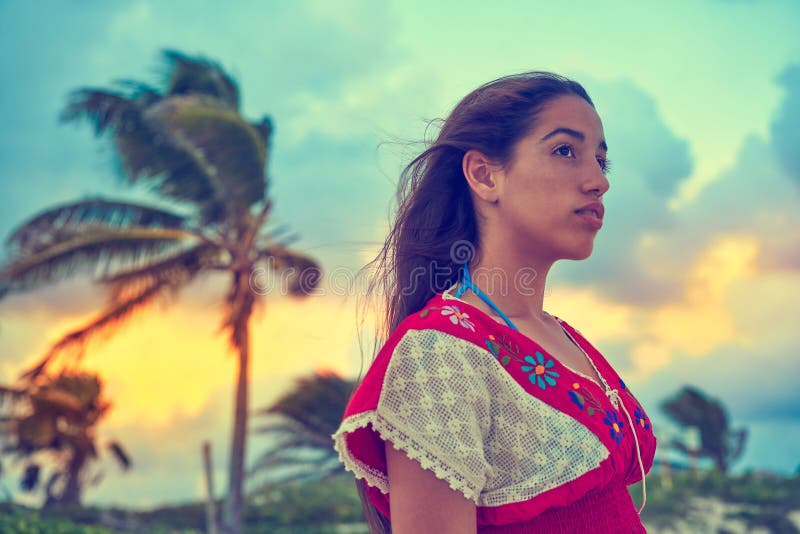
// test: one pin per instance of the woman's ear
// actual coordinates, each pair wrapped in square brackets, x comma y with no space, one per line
[482,175]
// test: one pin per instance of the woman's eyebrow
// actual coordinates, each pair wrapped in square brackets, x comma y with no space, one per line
[573,133]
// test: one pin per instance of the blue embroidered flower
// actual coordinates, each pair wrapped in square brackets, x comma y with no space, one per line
[641,418]
[621,383]
[538,370]
[612,420]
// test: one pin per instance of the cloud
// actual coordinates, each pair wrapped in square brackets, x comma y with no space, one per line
[763,392]
[649,161]
[756,196]
[640,142]
[785,128]
[701,318]
[644,251]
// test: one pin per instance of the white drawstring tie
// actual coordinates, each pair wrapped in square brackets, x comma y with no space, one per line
[616,401]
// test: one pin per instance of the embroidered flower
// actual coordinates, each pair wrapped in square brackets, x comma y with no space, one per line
[457,316]
[539,374]
[613,420]
[622,384]
[641,418]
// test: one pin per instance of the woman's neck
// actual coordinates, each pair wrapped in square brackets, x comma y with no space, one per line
[513,286]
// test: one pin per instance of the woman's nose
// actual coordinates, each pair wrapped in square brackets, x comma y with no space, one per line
[598,184]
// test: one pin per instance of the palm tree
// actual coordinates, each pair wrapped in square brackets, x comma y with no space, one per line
[188,141]
[299,426]
[690,407]
[56,417]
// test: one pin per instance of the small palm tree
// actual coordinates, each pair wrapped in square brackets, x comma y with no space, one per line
[56,417]
[299,426]
[188,141]
[690,407]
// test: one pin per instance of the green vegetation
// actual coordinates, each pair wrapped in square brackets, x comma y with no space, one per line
[765,499]
[18,519]
[297,508]
[21,520]
[306,507]
[332,505]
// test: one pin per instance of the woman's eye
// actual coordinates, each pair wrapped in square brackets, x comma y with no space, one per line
[605,164]
[564,150]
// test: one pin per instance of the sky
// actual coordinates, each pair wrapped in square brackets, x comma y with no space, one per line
[694,278]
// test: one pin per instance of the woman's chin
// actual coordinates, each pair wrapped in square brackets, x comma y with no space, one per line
[581,253]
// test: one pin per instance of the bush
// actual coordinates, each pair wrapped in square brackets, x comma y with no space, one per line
[310,507]
[769,496]
[21,520]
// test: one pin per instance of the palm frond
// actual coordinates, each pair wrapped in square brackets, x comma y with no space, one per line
[197,75]
[294,434]
[11,394]
[264,128]
[301,273]
[143,152]
[103,108]
[277,238]
[72,251]
[299,474]
[228,149]
[223,159]
[283,466]
[57,400]
[121,455]
[112,316]
[299,446]
[279,456]
[123,284]
[311,410]
[35,234]
[143,93]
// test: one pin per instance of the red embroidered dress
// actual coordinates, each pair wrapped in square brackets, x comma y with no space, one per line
[537,446]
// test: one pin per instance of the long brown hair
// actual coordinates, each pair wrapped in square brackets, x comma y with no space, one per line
[435,209]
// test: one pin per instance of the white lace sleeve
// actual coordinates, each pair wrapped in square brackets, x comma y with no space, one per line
[434,406]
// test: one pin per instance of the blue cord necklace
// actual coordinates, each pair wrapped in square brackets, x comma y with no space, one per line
[466,282]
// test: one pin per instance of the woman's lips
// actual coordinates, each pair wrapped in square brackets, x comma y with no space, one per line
[591,220]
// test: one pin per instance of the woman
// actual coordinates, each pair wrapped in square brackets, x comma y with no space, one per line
[482,412]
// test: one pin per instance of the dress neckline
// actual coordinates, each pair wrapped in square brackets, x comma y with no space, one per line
[445,295]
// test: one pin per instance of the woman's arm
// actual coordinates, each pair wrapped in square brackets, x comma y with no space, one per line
[421,503]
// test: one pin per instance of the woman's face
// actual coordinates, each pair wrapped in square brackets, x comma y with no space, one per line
[556,170]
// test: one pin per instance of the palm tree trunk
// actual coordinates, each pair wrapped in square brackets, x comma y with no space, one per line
[71,495]
[235,505]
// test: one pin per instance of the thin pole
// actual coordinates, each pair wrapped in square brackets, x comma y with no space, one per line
[211,508]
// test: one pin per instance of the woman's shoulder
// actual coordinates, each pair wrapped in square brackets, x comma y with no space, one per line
[439,318]
[437,340]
